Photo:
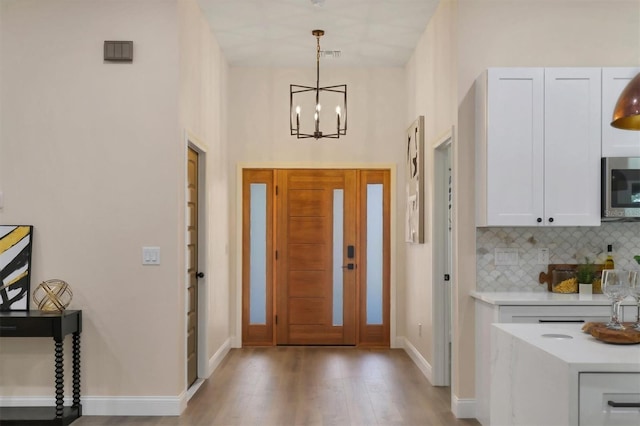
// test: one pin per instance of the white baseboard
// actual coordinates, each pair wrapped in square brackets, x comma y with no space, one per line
[217,357]
[110,405]
[30,401]
[123,405]
[463,408]
[418,360]
[236,342]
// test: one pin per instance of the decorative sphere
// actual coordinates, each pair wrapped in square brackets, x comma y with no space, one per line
[52,296]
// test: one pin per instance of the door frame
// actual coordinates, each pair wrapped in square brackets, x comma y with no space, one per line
[441,295]
[193,142]
[237,338]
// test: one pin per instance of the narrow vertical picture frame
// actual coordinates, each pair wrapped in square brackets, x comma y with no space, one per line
[16,242]
[414,178]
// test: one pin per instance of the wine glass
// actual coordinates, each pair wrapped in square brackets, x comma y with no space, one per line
[615,284]
[634,290]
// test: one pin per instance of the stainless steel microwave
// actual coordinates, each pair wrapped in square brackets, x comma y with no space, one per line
[621,188]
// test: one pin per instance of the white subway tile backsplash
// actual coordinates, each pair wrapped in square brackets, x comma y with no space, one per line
[566,245]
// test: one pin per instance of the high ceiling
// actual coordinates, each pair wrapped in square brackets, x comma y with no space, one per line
[277,33]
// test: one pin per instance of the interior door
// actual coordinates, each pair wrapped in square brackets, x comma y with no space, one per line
[192,266]
[315,263]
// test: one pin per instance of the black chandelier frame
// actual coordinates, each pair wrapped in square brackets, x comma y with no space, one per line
[294,89]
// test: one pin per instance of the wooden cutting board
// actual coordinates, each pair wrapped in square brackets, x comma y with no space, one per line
[546,277]
[599,330]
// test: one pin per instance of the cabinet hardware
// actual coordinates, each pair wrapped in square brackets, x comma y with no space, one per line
[539,220]
[623,404]
[563,321]
[550,219]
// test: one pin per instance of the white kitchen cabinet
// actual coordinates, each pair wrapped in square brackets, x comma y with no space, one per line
[556,375]
[609,399]
[509,146]
[572,112]
[617,142]
[538,147]
[541,308]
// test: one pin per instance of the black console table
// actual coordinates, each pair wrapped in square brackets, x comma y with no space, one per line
[43,324]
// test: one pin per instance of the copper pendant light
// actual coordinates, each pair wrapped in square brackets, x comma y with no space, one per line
[626,114]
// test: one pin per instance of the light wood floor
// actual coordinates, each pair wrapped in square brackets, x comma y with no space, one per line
[283,386]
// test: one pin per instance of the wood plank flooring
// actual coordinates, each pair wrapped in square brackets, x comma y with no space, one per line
[281,386]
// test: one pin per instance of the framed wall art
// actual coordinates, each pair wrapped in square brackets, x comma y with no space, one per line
[414,178]
[15,266]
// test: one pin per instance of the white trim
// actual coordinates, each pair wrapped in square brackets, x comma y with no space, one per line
[441,291]
[392,167]
[197,144]
[111,405]
[463,408]
[217,358]
[236,342]
[398,343]
[194,388]
[418,360]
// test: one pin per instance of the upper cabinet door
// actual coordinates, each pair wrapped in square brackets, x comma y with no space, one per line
[572,116]
[617,142]
[510,147]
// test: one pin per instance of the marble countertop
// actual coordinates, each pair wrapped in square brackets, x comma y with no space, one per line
[582,351]
[543,298]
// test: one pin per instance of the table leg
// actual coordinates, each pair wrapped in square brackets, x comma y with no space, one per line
[76,369]
[59,379]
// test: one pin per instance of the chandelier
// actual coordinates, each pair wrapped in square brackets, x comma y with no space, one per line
[304,98]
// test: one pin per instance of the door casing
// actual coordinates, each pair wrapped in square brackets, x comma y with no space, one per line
[442,244]
[191,141]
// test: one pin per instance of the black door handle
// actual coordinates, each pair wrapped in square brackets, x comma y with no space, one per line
[200,274]
[349,266]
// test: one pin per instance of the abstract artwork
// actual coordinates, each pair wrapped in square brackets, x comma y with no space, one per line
[15,266]
[414,216]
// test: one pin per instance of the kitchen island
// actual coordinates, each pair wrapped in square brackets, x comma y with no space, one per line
[529,307]
[555,374]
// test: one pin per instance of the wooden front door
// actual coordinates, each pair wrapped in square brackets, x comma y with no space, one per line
[316,257]
[316,290]
[192,266]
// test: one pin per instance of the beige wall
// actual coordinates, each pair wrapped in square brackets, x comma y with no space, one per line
[495,33]
[259,133]
[430,92]
[203,100]
[93,155]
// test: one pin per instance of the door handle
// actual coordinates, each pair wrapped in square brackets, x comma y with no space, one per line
[200,274]
[349,266]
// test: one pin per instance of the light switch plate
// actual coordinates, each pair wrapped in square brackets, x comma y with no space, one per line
[150,255]
[506,256]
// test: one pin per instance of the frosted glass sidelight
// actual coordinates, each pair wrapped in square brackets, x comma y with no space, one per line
[338,243]
[258,254]
[374,254]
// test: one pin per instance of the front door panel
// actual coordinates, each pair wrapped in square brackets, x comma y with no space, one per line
[315,223]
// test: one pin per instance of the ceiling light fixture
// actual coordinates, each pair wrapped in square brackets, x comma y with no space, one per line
[300,97]
[626,114]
